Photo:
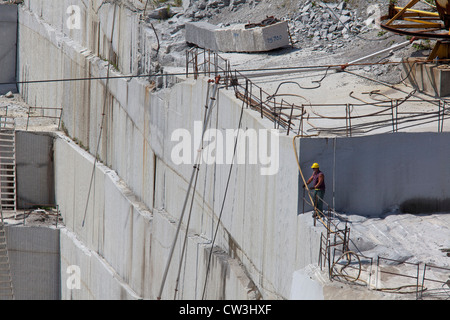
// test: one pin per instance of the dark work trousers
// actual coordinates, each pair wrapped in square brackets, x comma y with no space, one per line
[318,199]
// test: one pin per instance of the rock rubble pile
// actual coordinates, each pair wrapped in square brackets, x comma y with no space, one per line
[337,28]
[328,23]
[321,25]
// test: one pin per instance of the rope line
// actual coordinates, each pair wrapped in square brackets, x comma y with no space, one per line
[194,171]
[223,203]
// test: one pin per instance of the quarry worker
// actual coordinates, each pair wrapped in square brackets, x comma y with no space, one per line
[318,180]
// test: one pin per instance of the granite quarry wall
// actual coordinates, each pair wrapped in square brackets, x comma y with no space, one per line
[135,145]
[34,247]
[399,179]
[119,228]
[34,255]
[8,37]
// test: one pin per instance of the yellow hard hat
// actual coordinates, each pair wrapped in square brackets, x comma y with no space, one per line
[315,166]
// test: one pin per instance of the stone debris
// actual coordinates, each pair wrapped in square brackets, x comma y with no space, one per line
[39,217]
[311,20]
[323,23]
[325,27]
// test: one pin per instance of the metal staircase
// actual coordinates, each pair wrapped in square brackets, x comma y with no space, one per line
[7,165]
[7,199]
[6,286]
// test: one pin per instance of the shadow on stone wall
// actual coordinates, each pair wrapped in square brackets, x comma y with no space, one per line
[425,205]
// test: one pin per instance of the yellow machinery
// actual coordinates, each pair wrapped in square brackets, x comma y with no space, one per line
[433,24]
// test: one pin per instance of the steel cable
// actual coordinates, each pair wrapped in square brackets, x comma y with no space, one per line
[223,203]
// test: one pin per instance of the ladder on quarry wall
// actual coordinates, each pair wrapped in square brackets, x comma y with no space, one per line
[7,199]
[6,285]
[7,165]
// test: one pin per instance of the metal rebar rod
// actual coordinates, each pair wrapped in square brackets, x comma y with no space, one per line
[439,116]
[350,119]
[320,252]
[396,115]
[393,117]
[187,63]
[261,103]
[248,96]
[196,67]
[290,119]
[417,283]
[329,257]
[334,172]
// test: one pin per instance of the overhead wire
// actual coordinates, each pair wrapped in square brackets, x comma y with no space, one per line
[339,67]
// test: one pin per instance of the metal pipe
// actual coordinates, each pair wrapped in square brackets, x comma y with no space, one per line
[394,47]
[417,282]
[334,173]
[443,116]
[426,13]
